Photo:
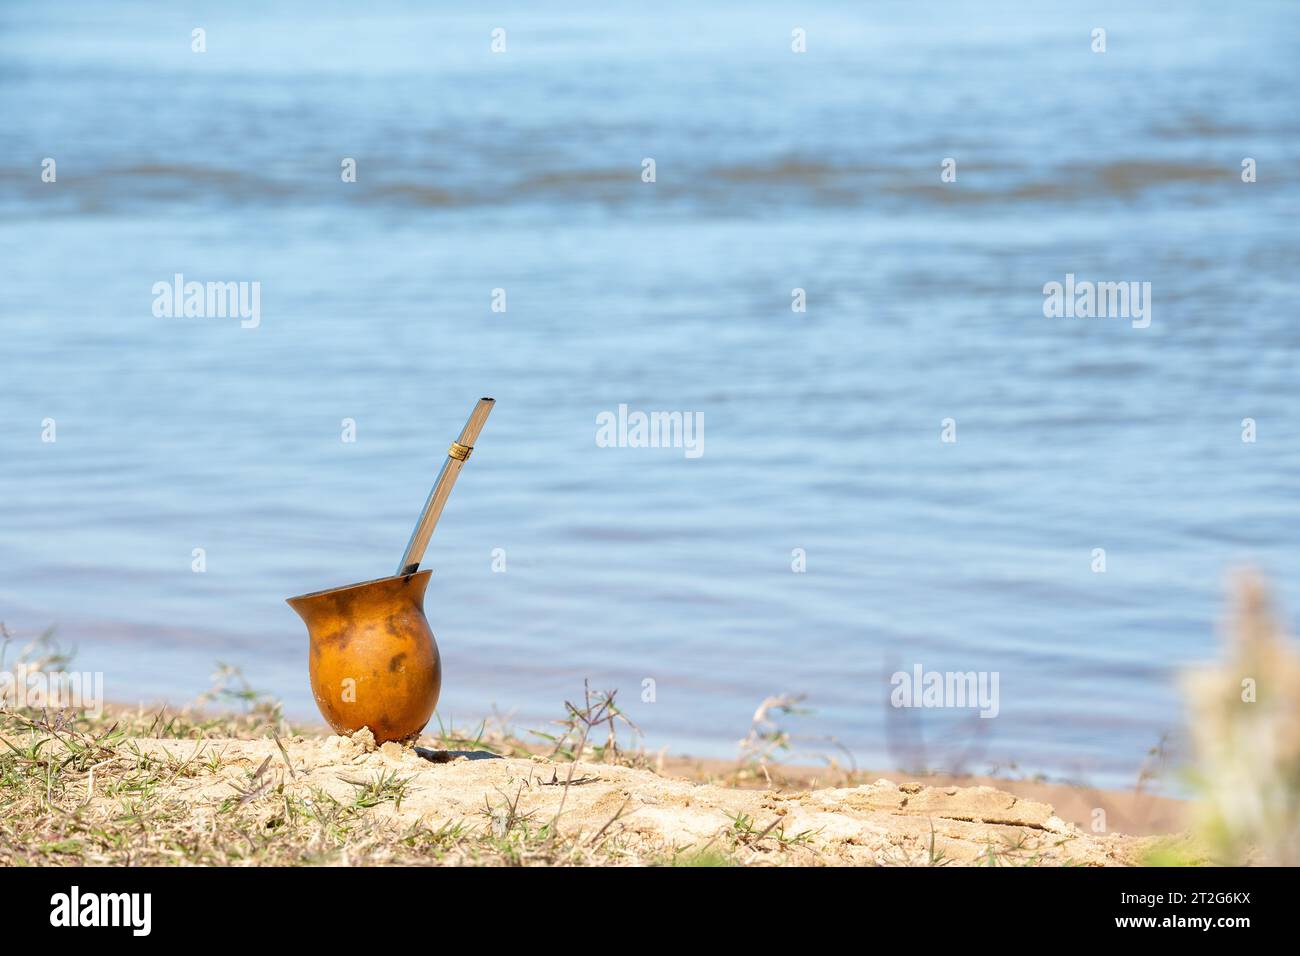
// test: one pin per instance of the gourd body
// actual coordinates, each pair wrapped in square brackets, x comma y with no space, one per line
[373,659]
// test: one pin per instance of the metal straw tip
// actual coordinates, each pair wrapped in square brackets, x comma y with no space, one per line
[486,399]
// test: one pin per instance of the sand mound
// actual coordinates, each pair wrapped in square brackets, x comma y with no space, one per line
[646,814]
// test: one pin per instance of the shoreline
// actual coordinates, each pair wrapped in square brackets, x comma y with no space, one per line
[153,785]
[1128,812]
[1131,812]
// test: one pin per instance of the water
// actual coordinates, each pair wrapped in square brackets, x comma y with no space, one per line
[522,171]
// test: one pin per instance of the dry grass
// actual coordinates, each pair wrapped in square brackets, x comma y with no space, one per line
[76,789]
[79,790]
[139,787]
[1246,732]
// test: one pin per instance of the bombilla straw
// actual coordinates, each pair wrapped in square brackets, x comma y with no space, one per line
[456,457]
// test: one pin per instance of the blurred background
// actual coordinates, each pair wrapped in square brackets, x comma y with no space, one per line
[775,170]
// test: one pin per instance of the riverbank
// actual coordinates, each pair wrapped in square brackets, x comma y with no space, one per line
[152,788]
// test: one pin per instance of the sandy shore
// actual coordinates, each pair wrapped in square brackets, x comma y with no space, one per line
[153,786]
[1130,812]
[642,815]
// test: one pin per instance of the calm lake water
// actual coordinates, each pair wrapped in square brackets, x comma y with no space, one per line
[774,171]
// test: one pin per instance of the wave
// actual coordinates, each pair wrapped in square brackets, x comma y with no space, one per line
[783,182]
